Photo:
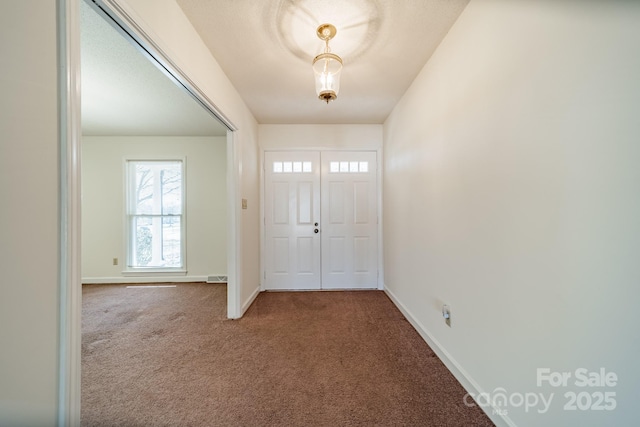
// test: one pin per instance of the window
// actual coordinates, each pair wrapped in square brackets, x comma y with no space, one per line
[292,167]
[155,205]
[348,167]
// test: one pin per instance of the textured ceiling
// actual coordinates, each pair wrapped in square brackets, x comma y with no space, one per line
[124,93]
[266,49]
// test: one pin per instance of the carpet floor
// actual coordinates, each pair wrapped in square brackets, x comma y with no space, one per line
[167,356]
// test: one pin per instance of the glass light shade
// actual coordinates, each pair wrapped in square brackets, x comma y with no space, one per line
[327,67]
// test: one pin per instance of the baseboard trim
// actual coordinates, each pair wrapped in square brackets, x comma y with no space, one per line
[249,301]
[142,279]
[454,367]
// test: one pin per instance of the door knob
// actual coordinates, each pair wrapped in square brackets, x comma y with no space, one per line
[316,231]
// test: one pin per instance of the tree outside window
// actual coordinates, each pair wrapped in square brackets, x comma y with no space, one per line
[155,214]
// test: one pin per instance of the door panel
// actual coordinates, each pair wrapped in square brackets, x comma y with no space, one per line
[361,254]
[305,203]
[361,200]
[292,207]
[349,234]
[280,251]
[281,203]
[306,255]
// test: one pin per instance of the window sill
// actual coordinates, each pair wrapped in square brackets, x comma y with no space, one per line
[138,272]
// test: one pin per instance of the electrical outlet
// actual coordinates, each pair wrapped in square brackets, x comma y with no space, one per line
[446,313]
[115,261]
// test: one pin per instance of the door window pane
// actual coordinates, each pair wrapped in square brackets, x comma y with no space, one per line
[292,167]
[348,167]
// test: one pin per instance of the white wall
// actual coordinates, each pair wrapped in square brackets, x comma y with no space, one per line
[29,224]
[166,24]
[103,201]
[512,194]
[320,137]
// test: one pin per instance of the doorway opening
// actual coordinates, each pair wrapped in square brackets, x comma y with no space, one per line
[71,194]
[145,223]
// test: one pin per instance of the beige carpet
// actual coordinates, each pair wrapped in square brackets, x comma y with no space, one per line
[169,357]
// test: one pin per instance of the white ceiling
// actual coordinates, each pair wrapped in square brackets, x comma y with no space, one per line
[266,49]
[125,94]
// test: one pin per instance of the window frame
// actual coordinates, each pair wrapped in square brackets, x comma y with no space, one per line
[129,184]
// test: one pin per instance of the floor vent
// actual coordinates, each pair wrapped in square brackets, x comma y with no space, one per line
[217,279]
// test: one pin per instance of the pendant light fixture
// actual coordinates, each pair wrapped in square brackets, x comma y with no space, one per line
[327,66]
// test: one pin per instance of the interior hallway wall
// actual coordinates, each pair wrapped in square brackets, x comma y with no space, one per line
[512,188]
[30,214]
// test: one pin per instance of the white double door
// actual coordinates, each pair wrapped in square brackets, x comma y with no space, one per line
[321,220]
